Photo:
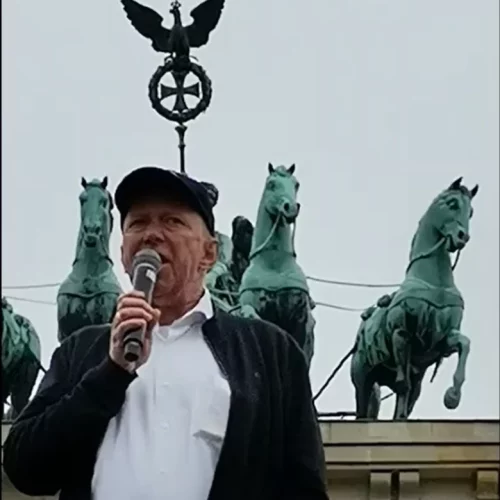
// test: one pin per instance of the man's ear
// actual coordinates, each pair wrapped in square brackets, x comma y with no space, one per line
[210,254]
[122,258]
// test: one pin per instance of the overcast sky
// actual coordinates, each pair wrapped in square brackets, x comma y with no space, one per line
[381,104]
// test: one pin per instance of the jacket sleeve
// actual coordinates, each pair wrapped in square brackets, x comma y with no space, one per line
[305,459]
[62,422]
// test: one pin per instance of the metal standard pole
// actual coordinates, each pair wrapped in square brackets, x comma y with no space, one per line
[181,130]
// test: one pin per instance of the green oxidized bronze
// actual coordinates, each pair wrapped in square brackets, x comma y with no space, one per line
[256,274]
[21,354]
[224,279]
[273,286]
[89,294]
[418,325]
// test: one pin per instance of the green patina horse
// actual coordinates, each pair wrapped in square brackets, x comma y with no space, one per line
[273,286]
[224,278]
[21,354]
[89,294]
[418,325]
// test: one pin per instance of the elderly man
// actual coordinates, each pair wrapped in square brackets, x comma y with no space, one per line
[217,407]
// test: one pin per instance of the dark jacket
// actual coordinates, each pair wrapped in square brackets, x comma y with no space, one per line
[272,449]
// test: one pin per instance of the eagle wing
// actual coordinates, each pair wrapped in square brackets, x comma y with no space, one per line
[148,23]
[205,16]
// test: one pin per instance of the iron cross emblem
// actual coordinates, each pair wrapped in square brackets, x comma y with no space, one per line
[179,91]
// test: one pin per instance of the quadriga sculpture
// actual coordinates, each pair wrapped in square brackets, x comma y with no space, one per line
[89,294]
[224,279]
[418,325]
[273,286]
[21,354]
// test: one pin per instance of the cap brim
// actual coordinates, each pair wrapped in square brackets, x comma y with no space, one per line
[148,181]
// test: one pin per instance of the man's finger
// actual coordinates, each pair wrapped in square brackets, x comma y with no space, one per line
[133,312]
[134,302]
[127,325]
[133,294]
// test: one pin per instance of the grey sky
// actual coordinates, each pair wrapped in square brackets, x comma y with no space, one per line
[381,104]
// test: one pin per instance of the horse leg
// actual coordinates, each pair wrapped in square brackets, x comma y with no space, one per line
[416,389]
[403,395]
[401,410]
[247,311]
[363,393]
[401,358]
[374,402]
[457,342]
[364,389]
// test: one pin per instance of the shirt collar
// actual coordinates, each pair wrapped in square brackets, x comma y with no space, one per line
[202,311]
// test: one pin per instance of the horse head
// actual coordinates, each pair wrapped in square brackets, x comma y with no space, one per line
[6,306]
[8,318]
[96,206]
[450,213]
[280,194]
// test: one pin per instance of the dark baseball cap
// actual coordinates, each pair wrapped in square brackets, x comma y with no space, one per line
[155,181]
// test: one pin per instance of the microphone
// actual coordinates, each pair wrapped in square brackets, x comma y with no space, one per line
[145,267]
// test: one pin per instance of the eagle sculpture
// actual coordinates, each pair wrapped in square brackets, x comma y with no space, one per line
[178,39]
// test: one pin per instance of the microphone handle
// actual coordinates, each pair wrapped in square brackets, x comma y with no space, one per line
[132,345]
[144,279]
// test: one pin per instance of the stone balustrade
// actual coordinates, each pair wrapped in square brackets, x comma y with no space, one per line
[412,460]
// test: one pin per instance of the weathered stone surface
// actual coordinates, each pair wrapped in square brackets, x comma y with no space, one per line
[424,460]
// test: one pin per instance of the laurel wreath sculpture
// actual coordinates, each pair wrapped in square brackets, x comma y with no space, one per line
[170,66]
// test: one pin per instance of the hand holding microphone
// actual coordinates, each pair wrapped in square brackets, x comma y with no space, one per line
[130,344]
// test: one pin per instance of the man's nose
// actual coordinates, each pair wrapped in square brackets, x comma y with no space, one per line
[152,234]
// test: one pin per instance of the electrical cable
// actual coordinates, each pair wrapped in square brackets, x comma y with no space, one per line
[311,278]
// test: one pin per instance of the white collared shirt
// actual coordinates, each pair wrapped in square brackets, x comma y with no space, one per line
[166,440]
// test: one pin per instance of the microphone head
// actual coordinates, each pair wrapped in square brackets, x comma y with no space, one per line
[149,257]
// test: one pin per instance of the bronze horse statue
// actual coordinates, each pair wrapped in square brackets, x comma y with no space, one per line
[21,354]
[89,294]
[418,325]
[273,285]
[257,274]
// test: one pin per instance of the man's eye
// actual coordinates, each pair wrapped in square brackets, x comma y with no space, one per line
[175,221]
[134,223]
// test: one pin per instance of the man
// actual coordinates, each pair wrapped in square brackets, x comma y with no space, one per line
[217,407]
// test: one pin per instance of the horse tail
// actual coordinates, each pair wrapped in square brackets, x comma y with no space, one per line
[334,372]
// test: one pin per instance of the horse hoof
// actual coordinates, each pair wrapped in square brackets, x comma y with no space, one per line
[452,398]
[400,386]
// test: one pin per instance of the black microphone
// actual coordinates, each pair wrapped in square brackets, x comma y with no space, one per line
[145,267]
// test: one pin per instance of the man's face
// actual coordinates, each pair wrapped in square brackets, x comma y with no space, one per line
[180,237]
